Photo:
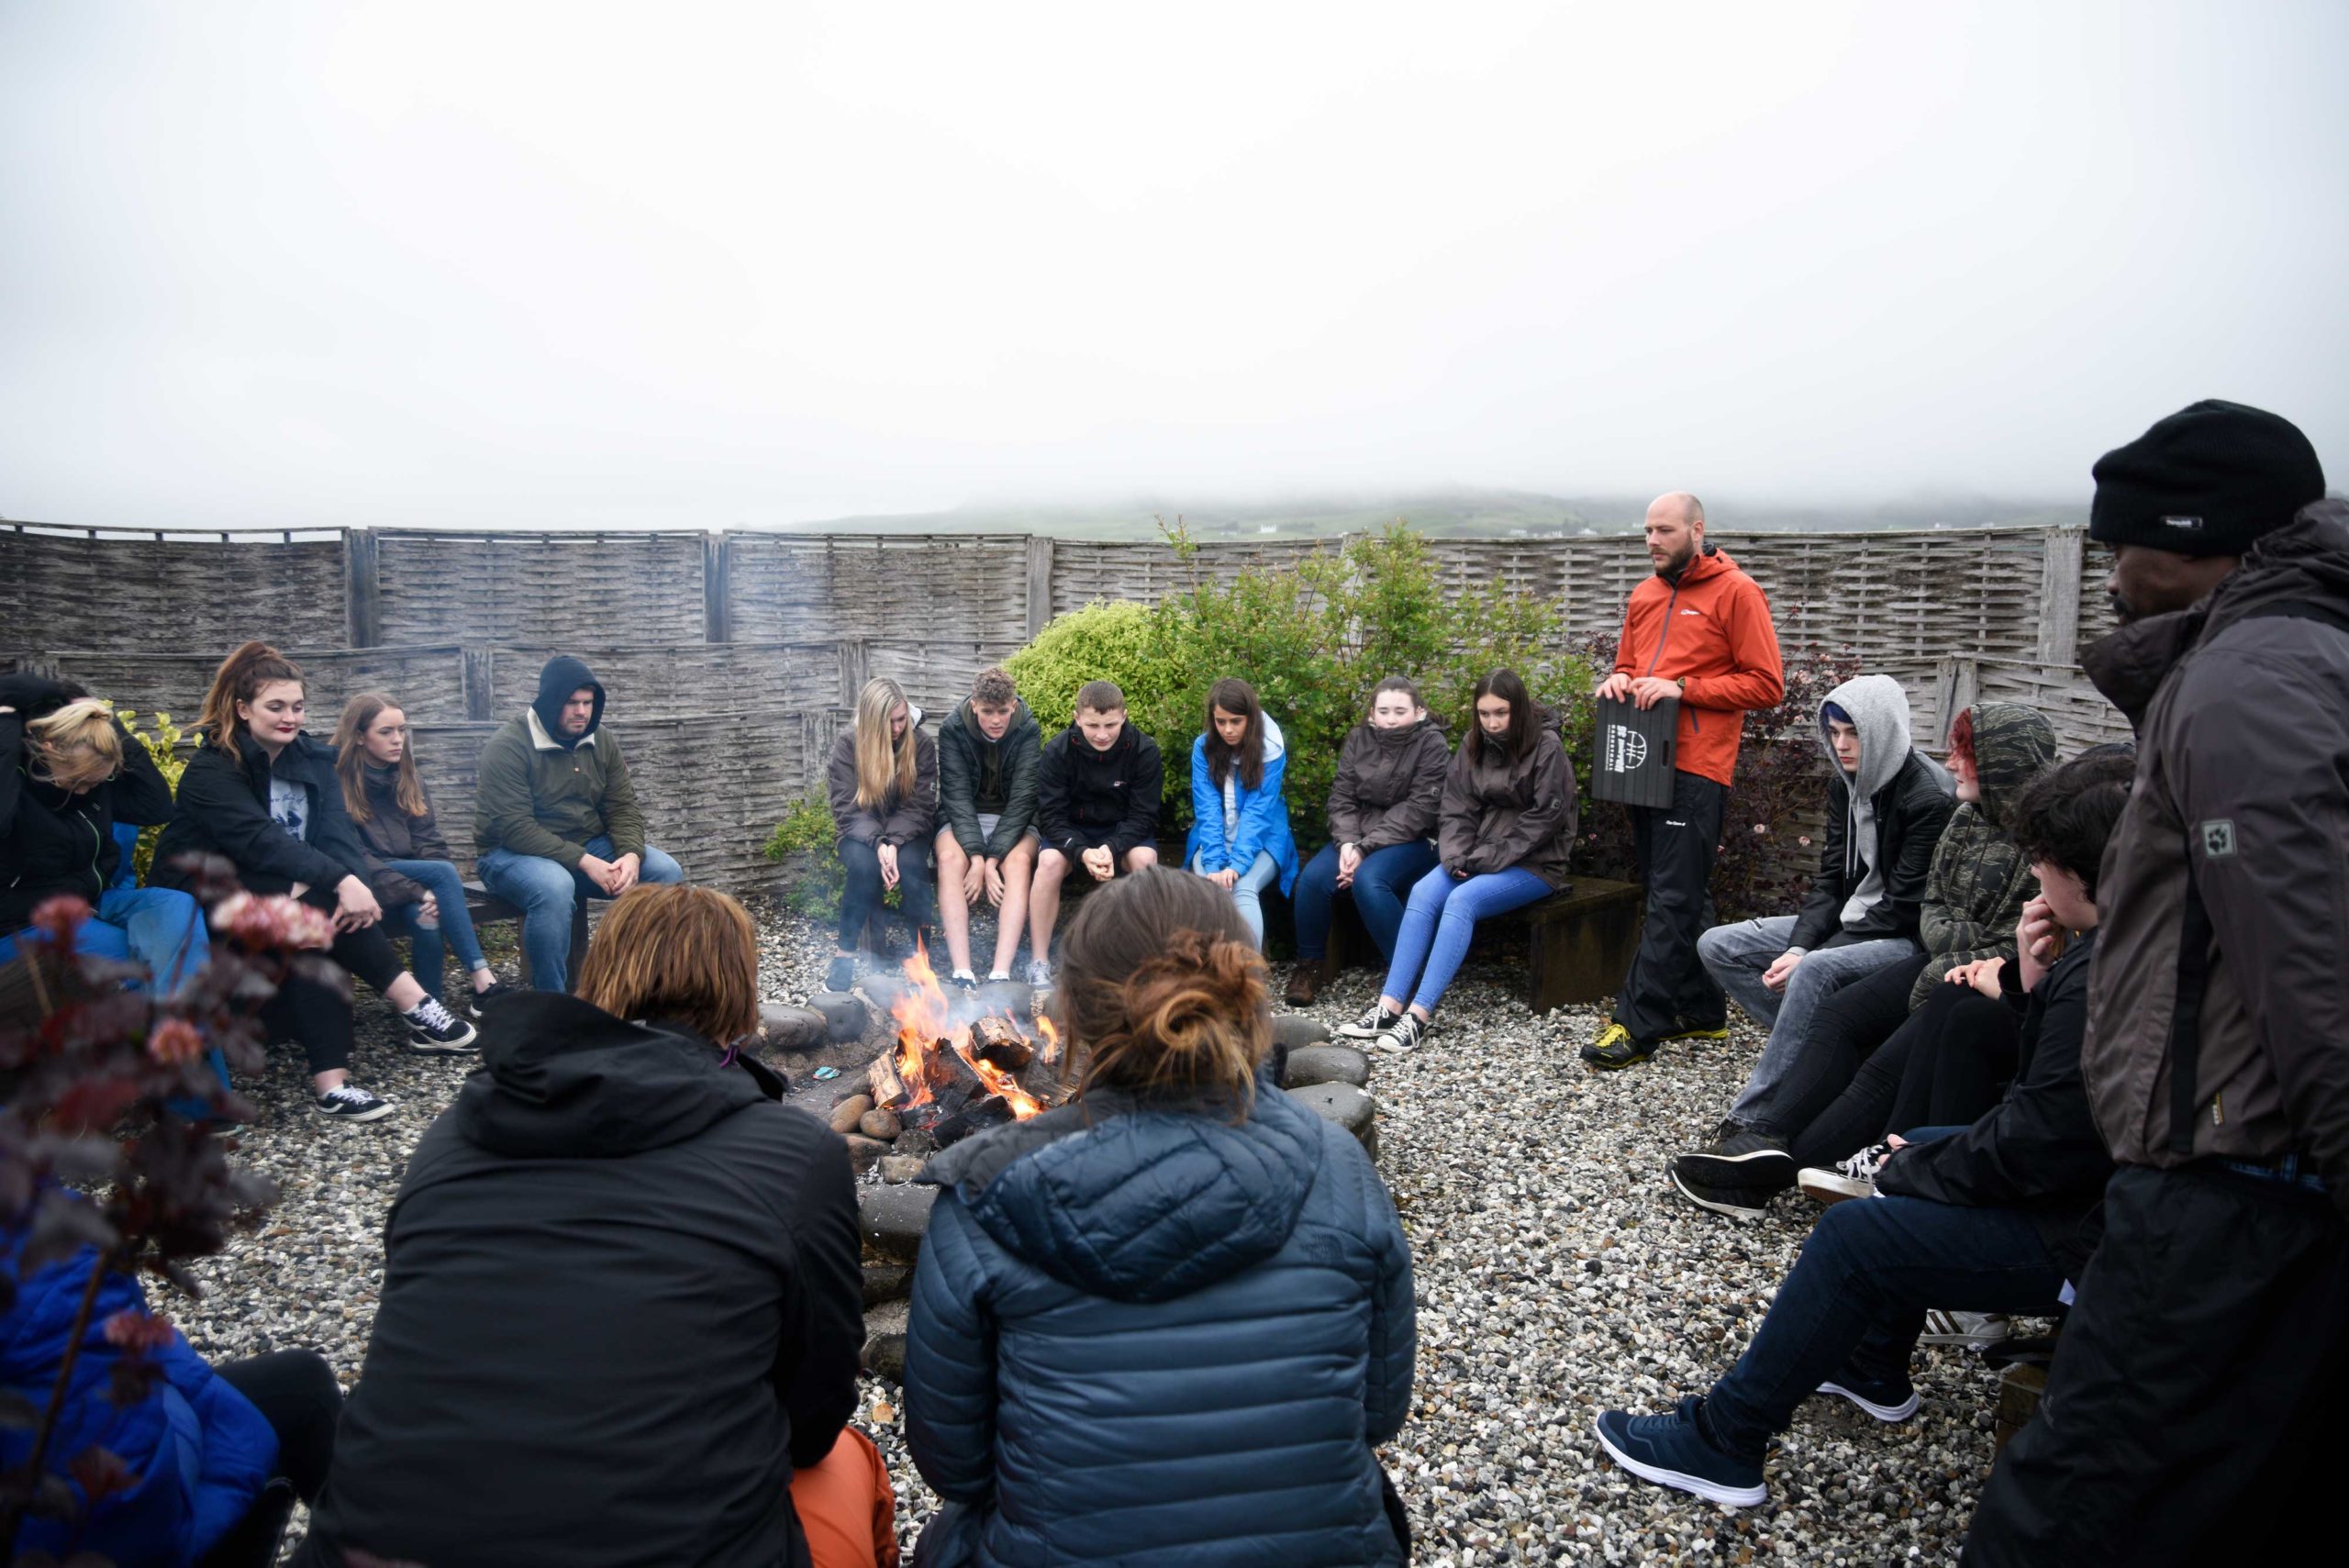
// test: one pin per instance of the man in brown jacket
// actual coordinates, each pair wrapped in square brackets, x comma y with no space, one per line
[2194,1396]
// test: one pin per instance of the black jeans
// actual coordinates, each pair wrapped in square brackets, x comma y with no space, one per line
[314,1014]
[296,1395]
[1946,1065]
[917,897]
[1667,989]
[2193,1413]
[1846,1030]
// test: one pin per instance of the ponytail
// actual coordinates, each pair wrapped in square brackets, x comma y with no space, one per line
[240,677]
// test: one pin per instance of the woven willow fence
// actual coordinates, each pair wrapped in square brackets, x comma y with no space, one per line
[732,658]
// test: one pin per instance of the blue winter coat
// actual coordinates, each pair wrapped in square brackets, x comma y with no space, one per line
[1263,815]
[198,1451]
[1146,1334]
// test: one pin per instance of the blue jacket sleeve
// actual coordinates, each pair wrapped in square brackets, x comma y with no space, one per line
[950,1361]
[1258,809]
[240,1447]
[1207,811]
[1393,1322]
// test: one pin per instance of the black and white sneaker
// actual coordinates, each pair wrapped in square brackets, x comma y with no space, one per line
[1039,974]
[1405,1033]
[1741,1158]
[1968,1331]
[1371,1025]
[1848,1178]
[349,1102]
[963,980]
[433,1030]
[475,1000]
[1739,1202]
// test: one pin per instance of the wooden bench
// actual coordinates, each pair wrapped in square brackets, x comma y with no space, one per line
[487,908]
[1579,942]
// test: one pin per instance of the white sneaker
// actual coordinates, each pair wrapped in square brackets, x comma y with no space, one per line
[1405,1033]
[1040,974]
[433,1030]
[1968,1331]
[1370,1025]
[349,1102]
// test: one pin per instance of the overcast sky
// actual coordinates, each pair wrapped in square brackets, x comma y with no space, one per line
[719,265]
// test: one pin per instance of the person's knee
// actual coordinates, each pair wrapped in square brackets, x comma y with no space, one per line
[536,883]
[1140,855]
[952,861]
[1021,862]
[659,866]
[1050,866]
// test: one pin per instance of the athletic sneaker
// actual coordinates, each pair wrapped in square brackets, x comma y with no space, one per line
[1885,1401]
[349,1102]
[999,976]
[1374,1022]
[1040,974]
[1743,1157]
[1968,1331]
[434,1030]
[1405,1033]
[1741,1202]
[841,974]
[1717,1031]
[474,1000]
[1849,1178]
[1615,1047]
[1669,1451]
[964,979]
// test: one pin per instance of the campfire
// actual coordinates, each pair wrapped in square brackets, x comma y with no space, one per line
[956,1069]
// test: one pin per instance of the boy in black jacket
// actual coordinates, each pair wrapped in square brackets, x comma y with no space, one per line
[1098,790]
[1994,1218]
[989,751]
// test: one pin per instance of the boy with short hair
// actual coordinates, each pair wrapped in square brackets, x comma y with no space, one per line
[989,751]
[1099,784]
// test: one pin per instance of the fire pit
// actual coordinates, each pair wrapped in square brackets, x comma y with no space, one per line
[962,1064]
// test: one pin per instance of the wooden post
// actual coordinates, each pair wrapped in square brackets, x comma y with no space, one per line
[1957,682]
[717,562]
[363,589]
[479,665]
[854,668]
[2059,596]
[1040,583]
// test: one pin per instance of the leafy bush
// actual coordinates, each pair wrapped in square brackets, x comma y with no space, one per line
[162,744]
[806,846]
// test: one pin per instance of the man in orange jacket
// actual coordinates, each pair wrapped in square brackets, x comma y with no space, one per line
[1699,631]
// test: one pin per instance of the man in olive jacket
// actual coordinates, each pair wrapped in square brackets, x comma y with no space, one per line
[2194,1401]
[555,819]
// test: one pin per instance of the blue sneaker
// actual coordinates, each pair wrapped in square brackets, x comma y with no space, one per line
[1885,1401]
[1669,1451]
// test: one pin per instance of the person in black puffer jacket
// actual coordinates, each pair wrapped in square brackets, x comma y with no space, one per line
[1100,785]
[622,1301]
[1168,1323]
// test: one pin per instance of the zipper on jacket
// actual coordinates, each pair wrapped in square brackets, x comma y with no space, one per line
[1665,636]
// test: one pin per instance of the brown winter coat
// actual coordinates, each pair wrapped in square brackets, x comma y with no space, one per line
[1501,811]
[1389,788]
[2243,782]
[390,834]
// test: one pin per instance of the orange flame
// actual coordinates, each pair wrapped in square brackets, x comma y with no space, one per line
[923,1019]
[1052,1052]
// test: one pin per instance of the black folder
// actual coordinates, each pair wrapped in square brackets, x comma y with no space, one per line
[1634,762]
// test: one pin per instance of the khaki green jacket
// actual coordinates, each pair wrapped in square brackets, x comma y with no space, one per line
[535,798]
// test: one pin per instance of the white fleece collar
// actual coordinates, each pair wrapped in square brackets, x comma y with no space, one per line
[546,742]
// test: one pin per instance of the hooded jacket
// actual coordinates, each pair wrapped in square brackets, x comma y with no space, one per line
[1710,623]
[540,792]
[52,842]
[976,775]
[621,1302]
[1086,798]
[1980,881]
[195,1450]
[1144,1333]
[2037,1150]
[895,818]
[223,809]
[1883,825]
[1261,825]
[390,834]
[2242,793]
[1389,788]
[1501,810]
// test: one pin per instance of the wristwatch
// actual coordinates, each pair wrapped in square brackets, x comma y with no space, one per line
[1683,684]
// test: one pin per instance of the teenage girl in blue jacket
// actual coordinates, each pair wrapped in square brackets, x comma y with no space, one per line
[1240,834]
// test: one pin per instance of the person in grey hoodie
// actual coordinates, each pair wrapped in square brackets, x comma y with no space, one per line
[1886,804]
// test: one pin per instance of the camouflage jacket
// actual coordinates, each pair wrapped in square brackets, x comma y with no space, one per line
[1980,881]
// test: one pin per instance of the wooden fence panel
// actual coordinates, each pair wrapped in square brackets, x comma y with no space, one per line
[935,674]
[428,683]
[531,588]
[681,678]
[169,596]
[800,587]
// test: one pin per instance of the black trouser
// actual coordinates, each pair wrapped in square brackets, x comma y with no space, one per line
[296,1395]
[1667,989]
[1846,1030]
[1944,1067]
[918,898]
[2193,1411]
[313,1014]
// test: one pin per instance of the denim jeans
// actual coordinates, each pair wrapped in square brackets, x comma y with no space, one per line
[546,891]
[1855,1301]
[1439,920]
[1736,957]
[424,948]
[862,893]
[158,927]
[1382,882]
[1248,893]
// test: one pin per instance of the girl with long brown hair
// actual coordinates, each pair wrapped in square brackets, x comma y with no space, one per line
[1184,1268]
[263,796]
[1240,833]
[410,868]
[883,779]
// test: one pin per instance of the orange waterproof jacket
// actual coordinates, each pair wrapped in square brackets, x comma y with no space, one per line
[1713,625]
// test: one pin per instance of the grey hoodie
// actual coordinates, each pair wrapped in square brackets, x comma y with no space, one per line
[1856,897]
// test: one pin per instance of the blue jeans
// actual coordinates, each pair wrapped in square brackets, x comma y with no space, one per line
[1856,1301]
[1736,956]
[1439,919]
[546,891]
[1383,880]
[158,927]
[424,959]
[1248,893]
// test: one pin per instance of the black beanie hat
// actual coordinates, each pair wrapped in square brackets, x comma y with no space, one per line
[2209,480]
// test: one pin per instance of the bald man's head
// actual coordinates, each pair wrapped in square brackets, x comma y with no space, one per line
[1675,531]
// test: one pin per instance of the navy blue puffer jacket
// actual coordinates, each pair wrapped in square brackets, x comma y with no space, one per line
[1145,1334]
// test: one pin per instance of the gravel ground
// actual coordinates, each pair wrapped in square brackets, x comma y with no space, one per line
[1558,1275]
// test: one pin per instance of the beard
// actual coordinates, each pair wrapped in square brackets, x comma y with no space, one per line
[1673,565]
[2123,610]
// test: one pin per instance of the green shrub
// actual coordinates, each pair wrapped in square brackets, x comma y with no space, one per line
[806,846]
[162,744]
[1112,639]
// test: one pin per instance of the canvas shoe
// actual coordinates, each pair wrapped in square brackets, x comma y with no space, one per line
[1741,1158]
[434,1030]
[1039,974]
[476,1000]
[349,1102]
[1967,1331]
[1405,1033]
[1848,1178]
[1669,1451]
[1885,1402]
[963,980]
[1739,1202]
[1374,1022]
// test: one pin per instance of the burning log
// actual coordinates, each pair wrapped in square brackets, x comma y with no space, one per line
[998,1043]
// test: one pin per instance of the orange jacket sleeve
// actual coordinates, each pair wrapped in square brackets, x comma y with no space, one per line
[1759,678]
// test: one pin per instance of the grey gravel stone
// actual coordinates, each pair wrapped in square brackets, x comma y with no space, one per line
[844,1015]
[790,1028]
[1348,1107]
[1299,1030]
[892,1218]
[900,1167]
[1328,1063]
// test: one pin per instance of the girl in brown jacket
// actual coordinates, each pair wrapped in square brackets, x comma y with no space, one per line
[1507,821]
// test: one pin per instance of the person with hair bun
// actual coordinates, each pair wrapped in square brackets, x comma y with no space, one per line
[1170,1321]
[622,1301]
[262,796]
[1240,833]
[69,772]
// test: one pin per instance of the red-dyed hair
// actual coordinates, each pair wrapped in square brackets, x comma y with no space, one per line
[1961,737]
